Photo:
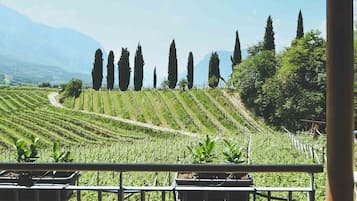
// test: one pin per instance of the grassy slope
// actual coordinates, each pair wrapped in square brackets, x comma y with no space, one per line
[92,138]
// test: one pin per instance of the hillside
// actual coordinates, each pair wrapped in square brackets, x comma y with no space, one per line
[25,44]
[26,112]
[197,111]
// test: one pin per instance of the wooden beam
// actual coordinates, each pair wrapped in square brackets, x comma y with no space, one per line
[340,109]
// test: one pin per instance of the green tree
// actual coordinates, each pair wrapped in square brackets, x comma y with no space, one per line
[73,88]
[110,71]
[190,71]
[298,90]
[172,72]
[300,27]
[124,70]
[255,49]
[249,77]
[269,43]
[155,78]
[237,54]
[138,69]
[213,70]
[182,84]
[97,71]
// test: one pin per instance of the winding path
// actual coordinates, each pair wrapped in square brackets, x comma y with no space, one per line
[54,102]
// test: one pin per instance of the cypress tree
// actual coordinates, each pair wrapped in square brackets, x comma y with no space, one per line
[300,27]
[269,43]
[237,54]
[155,78]
[124,70]
[213,71]
[190,71]
[172,71]
[138,69]
[110,71]
[97,71]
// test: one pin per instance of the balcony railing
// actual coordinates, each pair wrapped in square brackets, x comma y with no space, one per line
[121,190]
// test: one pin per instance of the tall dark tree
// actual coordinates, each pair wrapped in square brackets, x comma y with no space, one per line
[213,71]
[124,70]
[110,71]
[269,43]
[237,54]
[97,71]
[172,71]
[190,71]
[155,78]
[300,27]
[138,69]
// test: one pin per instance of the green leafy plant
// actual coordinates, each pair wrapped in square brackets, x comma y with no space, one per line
[59,156]
[232,153]
[25,152]
[203,152]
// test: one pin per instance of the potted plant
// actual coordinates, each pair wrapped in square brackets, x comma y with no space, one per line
[204,153]
[29,153]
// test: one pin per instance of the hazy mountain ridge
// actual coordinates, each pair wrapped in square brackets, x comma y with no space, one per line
[28,45]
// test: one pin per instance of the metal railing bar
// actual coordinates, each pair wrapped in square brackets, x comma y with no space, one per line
[127,167]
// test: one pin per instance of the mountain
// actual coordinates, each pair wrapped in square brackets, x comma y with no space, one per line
[15,72]
[60,50]
[200,78]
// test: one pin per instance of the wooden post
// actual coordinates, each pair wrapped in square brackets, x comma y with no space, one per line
[340,77]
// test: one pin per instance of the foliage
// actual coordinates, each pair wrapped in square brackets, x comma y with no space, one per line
[190,71]
[255,49]
[298,88]
[165,84]
[110,71]
[249,77]
[172,71]
[25,152]
[44,85]
[138,69]
[269,43]
[73,88]
[213,71]
[204,151]
[232,153]
[182,84]
[59,156]
[124,70]
[237,54]
[155,78]
[300,27]
[97,71]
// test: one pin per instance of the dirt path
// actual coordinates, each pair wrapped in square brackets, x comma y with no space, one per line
[53,101]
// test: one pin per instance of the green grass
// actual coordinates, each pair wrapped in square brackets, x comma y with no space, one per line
[93,138]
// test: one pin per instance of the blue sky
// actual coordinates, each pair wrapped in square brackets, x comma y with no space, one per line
[200,26]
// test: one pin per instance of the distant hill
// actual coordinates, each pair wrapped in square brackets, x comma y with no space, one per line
[15,72]
[201,68]
[53,50]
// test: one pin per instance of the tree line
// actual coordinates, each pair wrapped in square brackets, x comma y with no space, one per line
[124,70]
[287,87]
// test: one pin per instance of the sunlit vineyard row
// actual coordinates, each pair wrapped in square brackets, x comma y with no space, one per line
[198,111]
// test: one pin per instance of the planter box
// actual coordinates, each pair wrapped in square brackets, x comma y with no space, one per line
[36,178]
[213,180]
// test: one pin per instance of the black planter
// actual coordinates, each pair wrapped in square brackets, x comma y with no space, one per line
[28,179]
[213,180]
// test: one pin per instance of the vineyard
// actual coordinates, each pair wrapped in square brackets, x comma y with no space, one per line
[198,111]
[97,138]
